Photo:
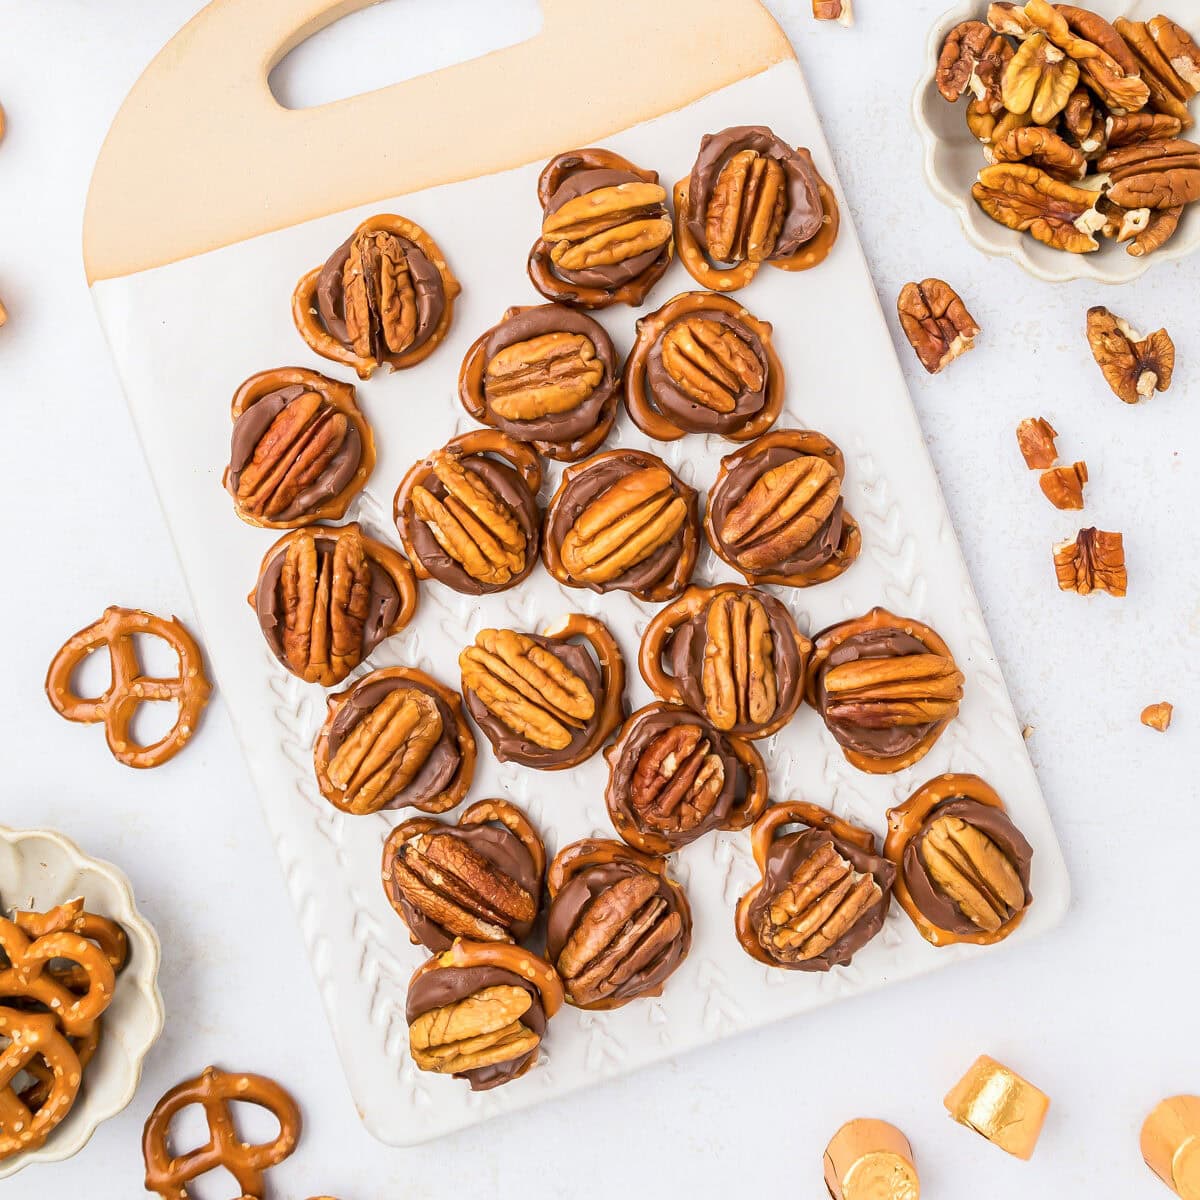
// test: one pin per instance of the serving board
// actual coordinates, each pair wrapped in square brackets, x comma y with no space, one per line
[195,303]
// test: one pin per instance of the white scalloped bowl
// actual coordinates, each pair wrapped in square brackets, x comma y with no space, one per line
[953,159]
[38,869]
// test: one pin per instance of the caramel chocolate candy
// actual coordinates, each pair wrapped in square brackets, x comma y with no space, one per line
[1171,1144]
[870,1160]
[479,879]
[963,865]
[751,199]
[776,512]
[300,449]
[384,296]
[617,926]
[673,778]
[886,687]
[479,1011]
[622,521]
[606,234]
[395,739]
[468,515]
[1000,1106]
[549,700]
[545,374]
[733,653]
[703,364]
[824,891]
[326,597]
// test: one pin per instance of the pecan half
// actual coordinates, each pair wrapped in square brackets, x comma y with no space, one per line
[1153,174]
[479,1031]
[1030,201]
[1160,229]
[1043,148]
[380,298]
[1178,48]
[678,779]
[936,323]
[745,211]
[990,127]
[1084,121]
[782,512]
[739,683]
[1035,437]
[973,872]
[896,691]
[1134,367]
[1039,80]
[1134,128]
[542,376]
[1167,92]
[974,59]
[607,226]
[1093,561]
[1063,486]
[1158,716]
[710,363]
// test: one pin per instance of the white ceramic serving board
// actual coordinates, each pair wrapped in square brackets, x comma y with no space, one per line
[185,335]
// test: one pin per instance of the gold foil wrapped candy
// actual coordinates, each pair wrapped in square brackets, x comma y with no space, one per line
[1171,1144]
[1000,1105]
[870,1160]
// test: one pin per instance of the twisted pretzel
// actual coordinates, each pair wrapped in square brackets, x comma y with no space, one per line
[34,1039]
[72,918]
[169,1175]
[129,687]
[35,1095]
[28,976]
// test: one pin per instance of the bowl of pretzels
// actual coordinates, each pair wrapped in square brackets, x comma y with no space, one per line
[79,1000]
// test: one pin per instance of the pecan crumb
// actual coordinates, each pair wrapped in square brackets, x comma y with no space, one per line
[1035,437]
[1093,561]
[1134,367]
[1063,486]
[1158,716]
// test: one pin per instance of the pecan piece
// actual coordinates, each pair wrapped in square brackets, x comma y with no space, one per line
[1039,80]
[1063,486]
[974,59]
[1043,148]
[480,1030]
[990,127]
[1162,174]
[542,376]
[1035,437]
[1168,93]
[739,682]
[1177,47]
[973,872]
[1160,229]
[1010,19]
[1084,121]
[1093,561]
[1158,716]
[1028,200]
[841,11]
[1134,367]
[936,323]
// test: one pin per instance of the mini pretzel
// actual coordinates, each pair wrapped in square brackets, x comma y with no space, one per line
[307,461]
[312,325]
[849,841]
[216,1091]
[733,276]
[72,918]
[730,667]
[459,891]
[28,976]
[35,1095]
[733,489]
[472,534]
[34,1041]
[129,688]
[385,754]
[702,371]
[580,287]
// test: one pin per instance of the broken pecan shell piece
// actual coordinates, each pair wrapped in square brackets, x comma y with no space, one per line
[1028,200]
[1035,438]
[1133,366]
[1063,486]
[936,322]
[1093,562]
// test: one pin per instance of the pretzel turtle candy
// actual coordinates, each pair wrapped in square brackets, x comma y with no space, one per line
[824,891]
[972,885]
[33,1040]
[468,514]
[479,879]
[327,596]
[71,917]
[703,364]
[547,375]
[733,653]
[28,975]
[606,233]
[618,925]
[673,777]
[300,449]
[395,738]
[479,1011]
[384,296]
[886,688]
[129,687]
[216,1091]
[544,700]
[723,198]
[776,512]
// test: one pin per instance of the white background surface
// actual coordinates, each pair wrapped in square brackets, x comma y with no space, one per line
[1099,1013]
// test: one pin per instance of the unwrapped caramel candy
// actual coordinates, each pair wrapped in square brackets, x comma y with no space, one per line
[870,1160]
[1171,1144]
[1000,1105]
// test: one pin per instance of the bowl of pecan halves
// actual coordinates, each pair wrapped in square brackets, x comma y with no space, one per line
[1061,134]
[79,1000]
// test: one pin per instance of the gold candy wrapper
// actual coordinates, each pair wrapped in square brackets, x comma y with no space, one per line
[1001,1106]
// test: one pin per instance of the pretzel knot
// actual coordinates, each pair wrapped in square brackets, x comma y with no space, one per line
[33,1041]
[130,688]
[215,1090]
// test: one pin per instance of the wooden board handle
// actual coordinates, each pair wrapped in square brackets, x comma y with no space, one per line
[201,154]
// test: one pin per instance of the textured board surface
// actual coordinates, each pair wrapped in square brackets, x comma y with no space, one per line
[184,337]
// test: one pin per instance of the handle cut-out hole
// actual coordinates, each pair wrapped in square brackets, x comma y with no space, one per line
[396,40]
